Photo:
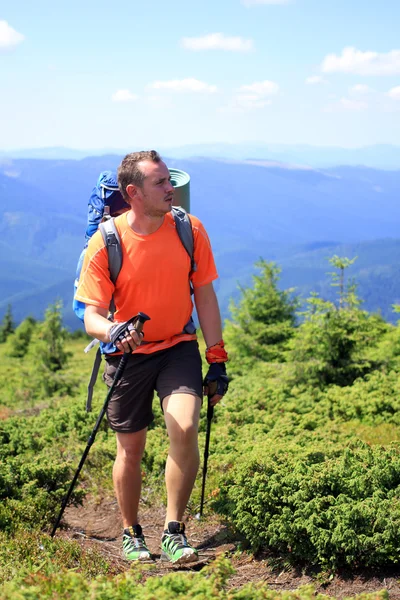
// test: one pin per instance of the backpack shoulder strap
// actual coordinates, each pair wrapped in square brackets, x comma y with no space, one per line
[185,232]
[113,245]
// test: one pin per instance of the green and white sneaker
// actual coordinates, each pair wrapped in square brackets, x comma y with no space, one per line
[134,545]
[175,546]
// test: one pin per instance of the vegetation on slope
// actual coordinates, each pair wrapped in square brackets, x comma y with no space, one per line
[304,459]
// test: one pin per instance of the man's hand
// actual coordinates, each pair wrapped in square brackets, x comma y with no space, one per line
[125,336]
[216,382]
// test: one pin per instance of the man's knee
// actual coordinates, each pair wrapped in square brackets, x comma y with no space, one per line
[130,446]
[181,412]
[183,435]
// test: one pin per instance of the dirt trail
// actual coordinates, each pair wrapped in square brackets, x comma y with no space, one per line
[97,524]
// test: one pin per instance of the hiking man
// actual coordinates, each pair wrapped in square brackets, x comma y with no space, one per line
[154,279]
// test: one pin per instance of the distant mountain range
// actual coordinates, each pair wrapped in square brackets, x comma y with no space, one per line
[379,156]
[297,217]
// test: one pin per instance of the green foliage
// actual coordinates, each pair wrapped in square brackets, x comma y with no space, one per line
[35,465]
[34,552]
[208,584]
[287,465]
[320,507]
[48,346]
[49,340]
[31,492]
[18,343]
[338,280]
[333,345]
[7,326]
[78,334]
[263,320]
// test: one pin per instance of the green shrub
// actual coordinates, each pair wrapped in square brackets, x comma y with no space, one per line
[318,507]
[27,552]
[31,491]
[208,584]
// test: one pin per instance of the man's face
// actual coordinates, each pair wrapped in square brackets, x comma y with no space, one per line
[157,191]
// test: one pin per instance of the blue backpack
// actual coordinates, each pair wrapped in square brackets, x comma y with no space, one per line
[105,200]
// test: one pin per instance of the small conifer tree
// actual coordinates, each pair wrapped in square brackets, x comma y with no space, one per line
[48,348]
[332,345]
[263,320]
[18,343]
[49,339]
[7,326]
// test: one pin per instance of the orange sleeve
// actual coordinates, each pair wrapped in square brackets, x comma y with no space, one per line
[206,270]
[95,286]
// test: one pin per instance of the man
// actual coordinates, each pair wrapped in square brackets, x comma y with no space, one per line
[154,279]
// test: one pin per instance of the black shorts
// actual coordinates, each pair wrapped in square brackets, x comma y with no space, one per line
[176,370]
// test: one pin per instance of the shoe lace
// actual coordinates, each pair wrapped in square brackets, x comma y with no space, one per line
[178,539]
[137,542]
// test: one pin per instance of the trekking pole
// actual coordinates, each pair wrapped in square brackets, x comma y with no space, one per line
[138,321]
[210,413]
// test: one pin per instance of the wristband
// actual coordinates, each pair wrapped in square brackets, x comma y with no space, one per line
[216,353]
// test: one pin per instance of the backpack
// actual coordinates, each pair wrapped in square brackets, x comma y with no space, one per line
[105,200]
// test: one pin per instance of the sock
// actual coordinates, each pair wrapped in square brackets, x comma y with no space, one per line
[133,531]
[175,527]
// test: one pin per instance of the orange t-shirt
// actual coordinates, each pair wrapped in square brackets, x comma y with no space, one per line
[154,279]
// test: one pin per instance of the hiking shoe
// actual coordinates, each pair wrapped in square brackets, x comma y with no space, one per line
[175,546]
[133,544]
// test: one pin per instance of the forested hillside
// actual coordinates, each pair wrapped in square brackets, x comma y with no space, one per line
[304,465]
[251,209]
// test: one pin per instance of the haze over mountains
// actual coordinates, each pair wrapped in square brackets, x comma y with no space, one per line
[379,156]
[295,216]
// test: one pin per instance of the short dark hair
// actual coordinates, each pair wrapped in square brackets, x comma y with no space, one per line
[129,171]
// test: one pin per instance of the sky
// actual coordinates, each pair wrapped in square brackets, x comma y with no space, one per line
[91,74]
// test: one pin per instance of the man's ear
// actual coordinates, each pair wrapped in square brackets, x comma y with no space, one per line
[131,190]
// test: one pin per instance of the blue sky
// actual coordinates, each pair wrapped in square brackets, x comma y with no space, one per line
[156,74]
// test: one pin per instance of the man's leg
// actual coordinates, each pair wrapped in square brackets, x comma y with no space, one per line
[127,484]
[181,413]
[127,474]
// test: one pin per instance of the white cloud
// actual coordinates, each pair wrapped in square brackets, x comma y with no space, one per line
[244,102]
[356,105]
[252,97]
[158,102]
[124,96]
[360,89]
[184,85]
[345,105]
[362,63]
[315,79]
[251,102]
[218,41]
[394,93]
[9,38]
[261,88]
[255,2]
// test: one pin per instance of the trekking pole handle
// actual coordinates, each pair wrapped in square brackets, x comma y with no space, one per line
[139,321]
[212,388]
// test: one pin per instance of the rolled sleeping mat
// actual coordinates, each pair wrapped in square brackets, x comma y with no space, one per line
[181,182]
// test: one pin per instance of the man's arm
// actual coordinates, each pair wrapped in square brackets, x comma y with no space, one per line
[208,314]
[96,323]
[98,326]
[210,323]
